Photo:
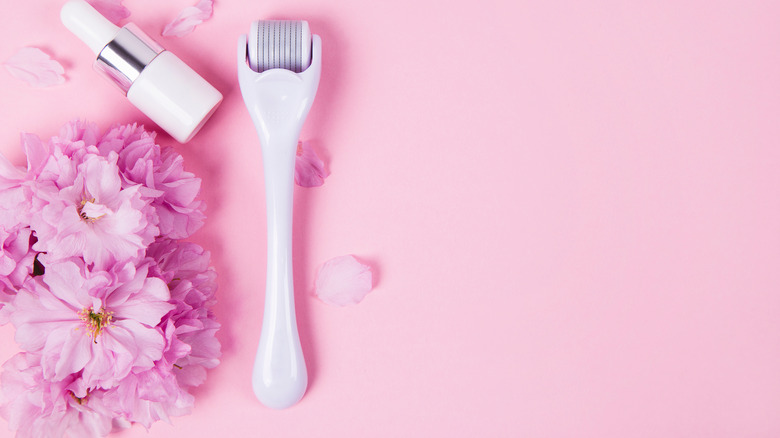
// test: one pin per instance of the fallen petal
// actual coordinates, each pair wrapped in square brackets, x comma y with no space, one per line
[189,18]
[35,67]
[343,281]
[113,10]
[309,168]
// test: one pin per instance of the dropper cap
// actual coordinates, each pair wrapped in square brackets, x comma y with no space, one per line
[122,53]
[88,24]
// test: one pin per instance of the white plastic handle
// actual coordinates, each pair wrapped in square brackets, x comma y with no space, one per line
[278,102]
[279,377]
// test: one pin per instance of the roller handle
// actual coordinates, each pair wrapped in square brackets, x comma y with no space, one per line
[279,376]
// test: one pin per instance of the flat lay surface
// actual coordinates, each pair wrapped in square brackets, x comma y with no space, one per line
[571,209]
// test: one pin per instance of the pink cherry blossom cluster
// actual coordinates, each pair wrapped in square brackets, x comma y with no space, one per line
[111,309]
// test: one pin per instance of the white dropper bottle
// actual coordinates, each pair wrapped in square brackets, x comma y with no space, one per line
[155,80]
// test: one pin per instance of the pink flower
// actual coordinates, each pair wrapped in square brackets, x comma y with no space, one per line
[16,204]
[160,171]
[35,67]
[343,281]
[114,315]
[309,168]
[38,407]
[193,284]
[94,217]
[137,150]
[189,330]
[150,396]
[180,212]
[101,324]
[154,394]
[183,260]
[15,195]
[58,160]
[7,297]
[77,139]
[17,265]
[16,256]
[189,18]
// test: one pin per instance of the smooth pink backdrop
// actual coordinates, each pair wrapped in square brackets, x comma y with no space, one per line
[572,208]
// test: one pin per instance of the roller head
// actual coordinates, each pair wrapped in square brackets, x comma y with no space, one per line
[279,44]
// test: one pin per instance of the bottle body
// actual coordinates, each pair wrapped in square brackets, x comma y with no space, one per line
[174,96]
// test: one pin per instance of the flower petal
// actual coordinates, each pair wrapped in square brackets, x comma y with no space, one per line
[189,18]
[101,179]
[35,67]
[113,10]
[74,351]
[146,344]
[37,152]
[94,211]
[309,168]
[9,174]
[148,305]
[343,281]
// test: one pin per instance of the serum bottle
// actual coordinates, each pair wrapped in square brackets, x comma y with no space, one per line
[155,80]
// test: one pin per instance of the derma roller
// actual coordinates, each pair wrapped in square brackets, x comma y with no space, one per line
[278,70]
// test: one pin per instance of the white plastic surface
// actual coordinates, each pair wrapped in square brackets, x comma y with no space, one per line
[174,96]
[88,24]
[278,102]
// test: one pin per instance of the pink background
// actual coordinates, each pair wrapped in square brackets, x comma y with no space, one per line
[572,208]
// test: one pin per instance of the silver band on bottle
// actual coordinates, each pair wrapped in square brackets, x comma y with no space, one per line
[124,58]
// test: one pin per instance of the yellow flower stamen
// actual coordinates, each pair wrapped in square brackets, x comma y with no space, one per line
[79,400]
[96,322]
